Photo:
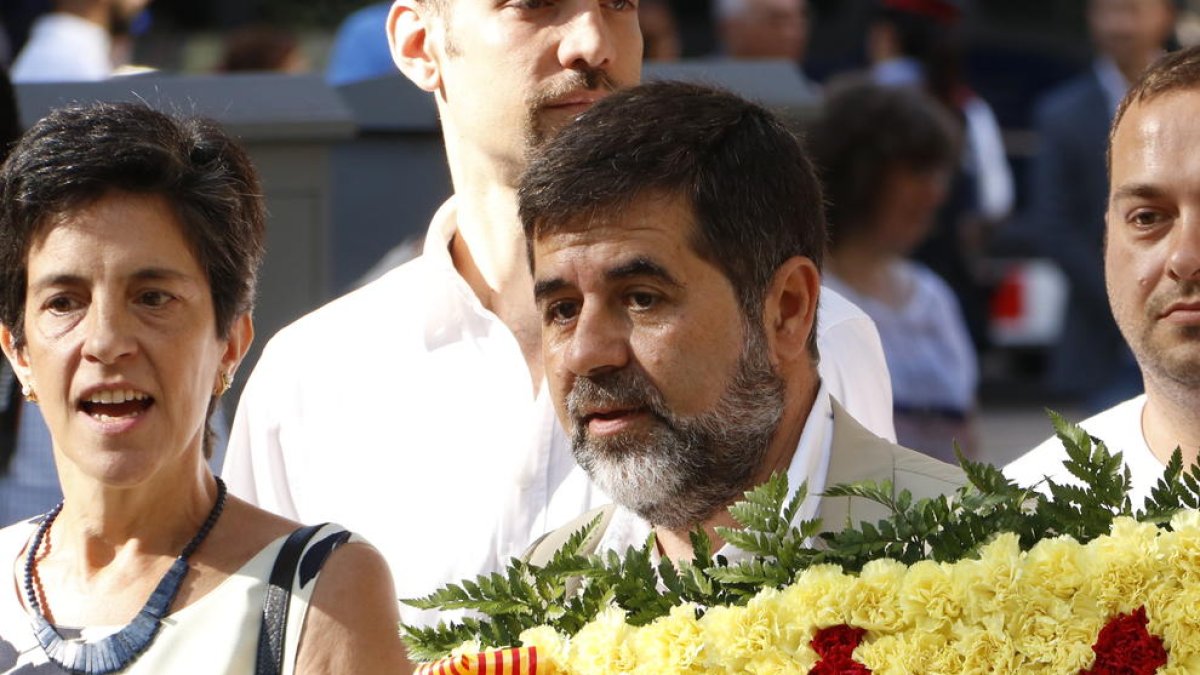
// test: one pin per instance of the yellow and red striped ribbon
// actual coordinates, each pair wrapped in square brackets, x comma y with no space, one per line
[514,661]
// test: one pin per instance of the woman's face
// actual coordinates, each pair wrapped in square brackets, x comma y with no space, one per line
[907,206]
[121,344]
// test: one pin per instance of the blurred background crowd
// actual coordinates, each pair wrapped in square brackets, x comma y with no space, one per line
[966,209]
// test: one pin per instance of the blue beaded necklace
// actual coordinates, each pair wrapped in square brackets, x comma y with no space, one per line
[115,652]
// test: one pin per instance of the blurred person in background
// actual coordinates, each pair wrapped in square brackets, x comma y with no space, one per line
[660,31]
[262,48]
[360,47]
[1067,189]
[763,29]
[916,43]
[80,40]
[886,156]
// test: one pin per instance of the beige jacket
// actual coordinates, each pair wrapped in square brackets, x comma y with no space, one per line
[855,455]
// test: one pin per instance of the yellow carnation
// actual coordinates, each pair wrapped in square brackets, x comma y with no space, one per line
[874,598]
[1122,565]
[671,644]
[1055,565]
[602,645]
[552,646]
[928,599]
[989,582]
[821,592]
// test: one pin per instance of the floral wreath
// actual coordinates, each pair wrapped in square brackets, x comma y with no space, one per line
[993,579]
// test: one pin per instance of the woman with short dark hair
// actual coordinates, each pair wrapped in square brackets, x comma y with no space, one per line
[129,249]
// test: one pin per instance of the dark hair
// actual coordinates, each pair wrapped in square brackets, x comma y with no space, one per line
[77,155]
[927,33]
[864,132]
[1176,71]
[258,47]
[750,185]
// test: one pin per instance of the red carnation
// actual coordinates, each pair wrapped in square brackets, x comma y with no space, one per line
[835,645]
[1126,647]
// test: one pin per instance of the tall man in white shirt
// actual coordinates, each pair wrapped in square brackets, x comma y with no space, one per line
[413,410]
[1152,273]
[677,277]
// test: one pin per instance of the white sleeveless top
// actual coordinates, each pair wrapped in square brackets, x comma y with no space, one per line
[216,634]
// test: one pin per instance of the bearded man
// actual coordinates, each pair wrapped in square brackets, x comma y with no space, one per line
[675,237]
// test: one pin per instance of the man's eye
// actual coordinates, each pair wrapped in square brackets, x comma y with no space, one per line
[623,4]
[642,300]
[1146,218]
[529,4]
[562,311]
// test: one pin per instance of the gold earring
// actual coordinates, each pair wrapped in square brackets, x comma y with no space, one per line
[226,383]
[28,392]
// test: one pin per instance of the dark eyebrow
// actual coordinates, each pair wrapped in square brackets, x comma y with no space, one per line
[547,287]
[637,267]
[1136,191]
[641,267]
[144,274]
[159,273]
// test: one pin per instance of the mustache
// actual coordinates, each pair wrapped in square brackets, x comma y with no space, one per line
[574,80]
[1184,291]
[626,388]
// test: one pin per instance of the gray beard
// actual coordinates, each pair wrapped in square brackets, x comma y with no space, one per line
[684,469]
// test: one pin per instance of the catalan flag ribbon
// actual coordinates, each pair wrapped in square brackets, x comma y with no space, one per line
[515,661]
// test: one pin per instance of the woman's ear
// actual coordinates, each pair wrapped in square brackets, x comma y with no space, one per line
[790,310]
[241,335]
[16,357]
[409,27]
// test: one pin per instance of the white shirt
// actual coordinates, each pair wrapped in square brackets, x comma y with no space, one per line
[810,465]
[64,48]
[1120,427]
[404,410]
[929,353]
[853,368]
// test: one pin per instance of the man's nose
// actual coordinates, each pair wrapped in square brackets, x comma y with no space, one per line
[599,343]
[586,41]
[109,336]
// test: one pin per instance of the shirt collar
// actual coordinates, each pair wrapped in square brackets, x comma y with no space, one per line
[442,229]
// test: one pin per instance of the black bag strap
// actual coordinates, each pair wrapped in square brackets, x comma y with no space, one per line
[275,606]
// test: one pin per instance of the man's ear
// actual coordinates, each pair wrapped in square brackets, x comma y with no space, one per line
[409,27]
[16,357]
[790,309]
